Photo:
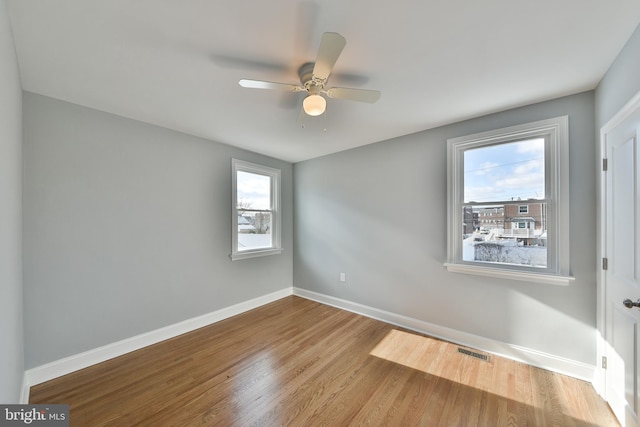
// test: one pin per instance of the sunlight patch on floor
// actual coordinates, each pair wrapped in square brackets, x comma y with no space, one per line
[406,349]
[444,361]
[504,378]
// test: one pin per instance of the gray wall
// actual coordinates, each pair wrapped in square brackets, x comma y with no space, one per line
[11,349]
[620,83]
[127,229]
[378,213]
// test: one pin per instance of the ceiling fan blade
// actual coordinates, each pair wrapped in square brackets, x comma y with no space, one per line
[330,49]
[361,95]
[261,84]
[240,63]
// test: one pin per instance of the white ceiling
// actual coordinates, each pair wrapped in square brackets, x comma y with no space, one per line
[177,64]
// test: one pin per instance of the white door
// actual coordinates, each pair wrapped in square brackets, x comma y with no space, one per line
[622,276]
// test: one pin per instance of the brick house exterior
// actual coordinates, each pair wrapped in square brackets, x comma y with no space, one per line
[525,215]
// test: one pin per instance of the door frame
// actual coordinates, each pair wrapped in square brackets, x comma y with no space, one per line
[599,380]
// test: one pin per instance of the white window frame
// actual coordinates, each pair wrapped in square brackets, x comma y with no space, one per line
[555,132]
[525,211]
[274,174]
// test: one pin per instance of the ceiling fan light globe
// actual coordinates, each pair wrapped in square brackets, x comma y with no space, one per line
[314,105]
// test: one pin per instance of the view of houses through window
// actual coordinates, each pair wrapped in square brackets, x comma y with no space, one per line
[504,210]
[254,210]
[256,214]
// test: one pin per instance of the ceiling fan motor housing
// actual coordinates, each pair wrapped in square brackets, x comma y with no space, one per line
[305,72]
[312,84]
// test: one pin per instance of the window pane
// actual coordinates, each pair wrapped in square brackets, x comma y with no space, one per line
[254,230]
[256,210]
[254,191]
[501,234]
[508,171]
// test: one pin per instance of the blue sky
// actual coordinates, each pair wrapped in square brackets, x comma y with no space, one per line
[505,172]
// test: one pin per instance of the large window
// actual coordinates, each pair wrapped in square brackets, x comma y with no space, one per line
[508,202]
[256,210]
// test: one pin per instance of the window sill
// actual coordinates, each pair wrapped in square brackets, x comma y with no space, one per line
[550,279]
[256,253]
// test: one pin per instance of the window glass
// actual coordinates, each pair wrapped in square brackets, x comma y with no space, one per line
[254,190]
[497,234]
[507,171]
[255,210]
[508,202]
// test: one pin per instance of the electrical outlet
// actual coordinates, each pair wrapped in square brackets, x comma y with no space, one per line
[343,277]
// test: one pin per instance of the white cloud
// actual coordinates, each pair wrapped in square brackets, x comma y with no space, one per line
[535,146]
[254,190]
[535,166]
[486,168]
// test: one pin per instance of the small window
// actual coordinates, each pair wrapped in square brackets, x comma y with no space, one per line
[256,210]
[521,175]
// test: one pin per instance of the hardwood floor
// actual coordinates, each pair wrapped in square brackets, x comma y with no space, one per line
[295,362]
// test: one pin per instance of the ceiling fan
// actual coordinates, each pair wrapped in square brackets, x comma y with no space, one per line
[314,76]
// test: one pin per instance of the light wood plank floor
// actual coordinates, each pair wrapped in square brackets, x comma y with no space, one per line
[295,362]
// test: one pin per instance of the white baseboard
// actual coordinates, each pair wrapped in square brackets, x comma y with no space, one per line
[24,391]
[73,363]
[79,361]
[531,357]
